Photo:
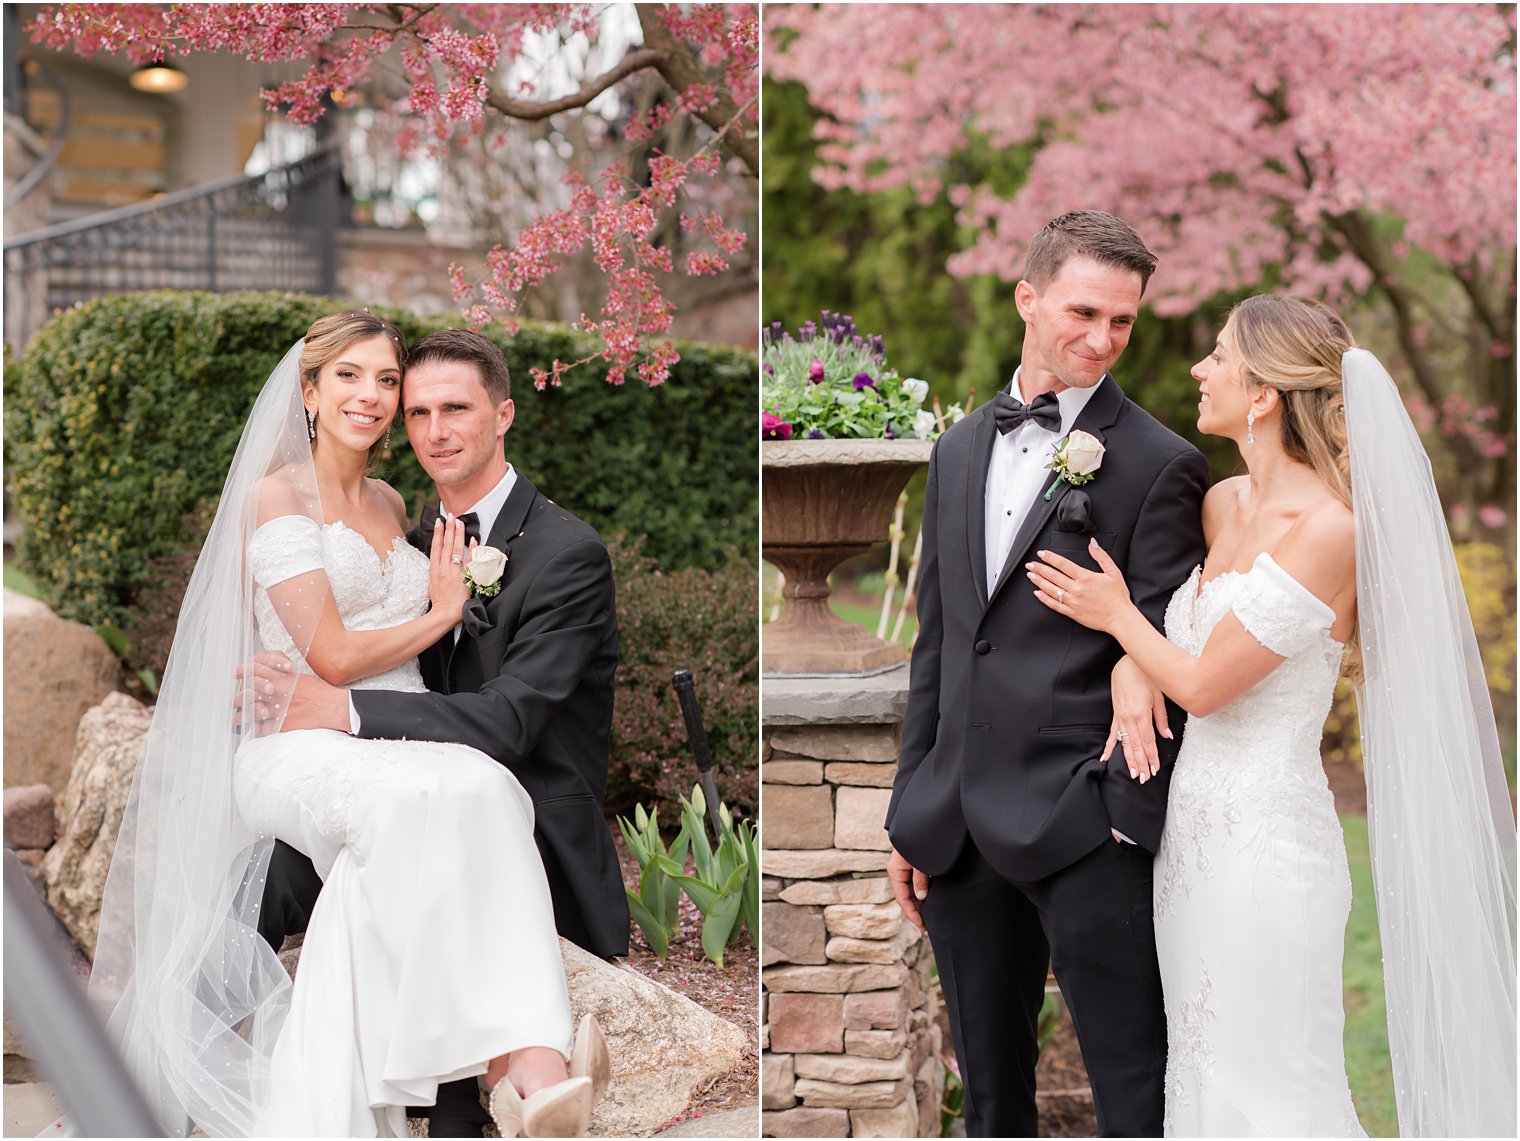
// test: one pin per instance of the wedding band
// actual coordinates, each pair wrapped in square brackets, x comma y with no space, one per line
[457,560]
[1060,594]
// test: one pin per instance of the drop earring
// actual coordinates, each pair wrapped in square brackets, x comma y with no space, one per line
[311,424]
[1250,424]
[388,437]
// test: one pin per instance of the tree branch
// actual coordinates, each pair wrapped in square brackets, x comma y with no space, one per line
[532,111]
[1360,240]
[679,69]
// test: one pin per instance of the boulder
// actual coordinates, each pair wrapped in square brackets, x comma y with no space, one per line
[29,819]
[54,671]
[665,1048]
[74,870]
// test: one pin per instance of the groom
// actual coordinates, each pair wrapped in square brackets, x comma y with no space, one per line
[1012,845]
[526,679]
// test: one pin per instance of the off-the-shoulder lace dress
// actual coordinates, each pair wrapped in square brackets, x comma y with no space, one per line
[1252,886]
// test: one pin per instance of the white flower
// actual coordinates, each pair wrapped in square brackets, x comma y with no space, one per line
[953,414]
[1083,454]
[916,389]
[924,424]
[485,568]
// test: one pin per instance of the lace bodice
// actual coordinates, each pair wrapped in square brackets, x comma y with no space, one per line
[1254,766]
[371,593]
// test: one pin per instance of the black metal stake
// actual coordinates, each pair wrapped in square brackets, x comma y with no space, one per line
[686,694]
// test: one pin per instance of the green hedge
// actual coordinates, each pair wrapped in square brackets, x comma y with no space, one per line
[123,415]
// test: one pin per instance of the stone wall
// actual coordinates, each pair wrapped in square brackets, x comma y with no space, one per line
[850,1042]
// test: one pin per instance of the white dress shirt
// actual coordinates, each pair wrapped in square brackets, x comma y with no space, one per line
[1018,474]
[486,509]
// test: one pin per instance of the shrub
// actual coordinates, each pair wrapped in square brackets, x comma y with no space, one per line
[124,413]
[694,619]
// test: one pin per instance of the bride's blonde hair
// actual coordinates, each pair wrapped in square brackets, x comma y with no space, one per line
[1294,345]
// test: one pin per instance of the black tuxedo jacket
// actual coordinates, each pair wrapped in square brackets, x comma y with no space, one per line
[1008,701]
[534,691]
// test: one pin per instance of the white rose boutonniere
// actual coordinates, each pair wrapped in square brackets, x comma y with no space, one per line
[1075,460]
[483,571]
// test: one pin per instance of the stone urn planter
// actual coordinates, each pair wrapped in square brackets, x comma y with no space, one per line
[823,501]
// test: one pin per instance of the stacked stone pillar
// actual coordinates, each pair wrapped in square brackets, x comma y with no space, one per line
[850,1044]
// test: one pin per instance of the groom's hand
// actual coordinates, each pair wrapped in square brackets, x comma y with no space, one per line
[910,887]
[282,699]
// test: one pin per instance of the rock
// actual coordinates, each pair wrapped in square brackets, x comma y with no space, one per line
[30,1108]
[54,672]
[873,743]
[74,870]
[776,1078]
[863,921]
[835,978]
[806,1023]
[880,1010]
[874,889]
[864,1095]
[847,1070]
[741,1122]
[791,934]
[848,772]
[899,1121]
[817,864]
[799,816]
[875,1043]
[29,822]
[805,1122]
[792,772]
[665,1048]
[858,821]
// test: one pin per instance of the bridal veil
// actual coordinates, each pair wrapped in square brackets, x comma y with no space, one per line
[1442,830]
[195,996]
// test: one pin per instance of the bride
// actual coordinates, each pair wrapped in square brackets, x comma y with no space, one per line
[432,953]
[1331,555]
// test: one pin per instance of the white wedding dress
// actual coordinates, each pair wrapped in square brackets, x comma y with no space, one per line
[432,947]
[1252,887]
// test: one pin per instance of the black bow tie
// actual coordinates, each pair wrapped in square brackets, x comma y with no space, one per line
[1010,412]
[421,536]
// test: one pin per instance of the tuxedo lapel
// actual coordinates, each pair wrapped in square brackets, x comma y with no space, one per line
[1101,412]
[984,433]
[508,527]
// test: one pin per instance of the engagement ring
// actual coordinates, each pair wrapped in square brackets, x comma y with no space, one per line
[457,560]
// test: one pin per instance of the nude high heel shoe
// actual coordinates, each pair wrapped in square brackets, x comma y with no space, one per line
[560,1110]
[591,1058]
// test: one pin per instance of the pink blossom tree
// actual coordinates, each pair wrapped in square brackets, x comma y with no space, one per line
[455,63]
[1348,150]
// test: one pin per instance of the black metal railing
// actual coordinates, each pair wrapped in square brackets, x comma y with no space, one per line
[275,230]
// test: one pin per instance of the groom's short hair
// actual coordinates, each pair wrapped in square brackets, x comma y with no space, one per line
[469,348]
[1086,233]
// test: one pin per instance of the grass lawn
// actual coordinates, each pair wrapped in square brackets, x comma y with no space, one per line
[16,579]
[1367,1062]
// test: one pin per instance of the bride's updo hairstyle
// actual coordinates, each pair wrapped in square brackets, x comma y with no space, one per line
[1295,345]
[330,335]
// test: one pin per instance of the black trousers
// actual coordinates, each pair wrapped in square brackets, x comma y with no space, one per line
[290,893]
[1091,923]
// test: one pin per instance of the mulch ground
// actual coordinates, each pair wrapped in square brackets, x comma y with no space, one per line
[732,992]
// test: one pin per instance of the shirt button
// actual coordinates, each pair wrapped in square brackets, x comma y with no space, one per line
[982,646]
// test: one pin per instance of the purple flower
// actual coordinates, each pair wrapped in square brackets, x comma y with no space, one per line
[890,435]
[773,427]
[768,370]
[863,380]
[815,372]
[815,434]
